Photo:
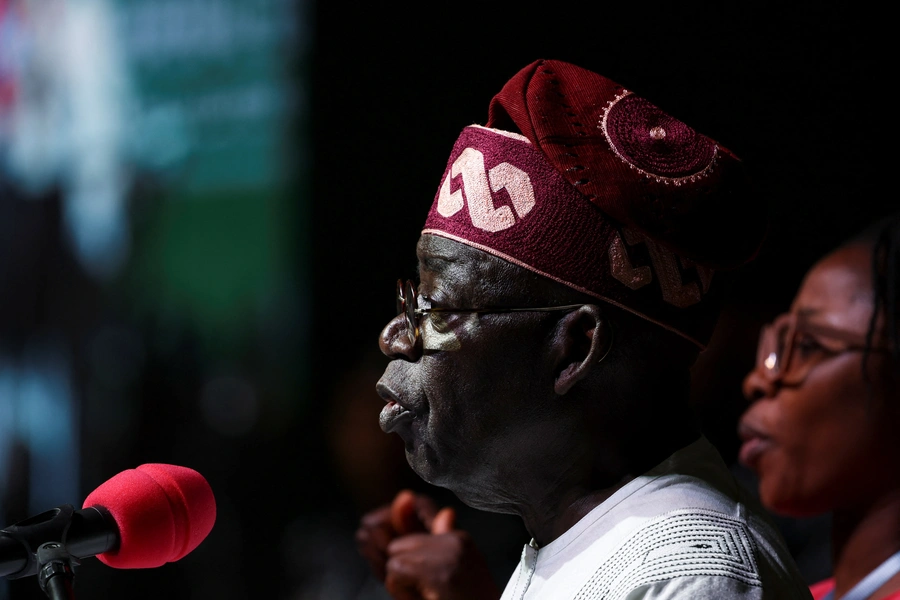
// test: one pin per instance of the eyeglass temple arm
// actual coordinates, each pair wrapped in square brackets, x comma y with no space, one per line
[422,311]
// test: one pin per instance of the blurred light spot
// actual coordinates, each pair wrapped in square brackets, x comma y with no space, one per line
[48,417]
[162,141]
[98,228]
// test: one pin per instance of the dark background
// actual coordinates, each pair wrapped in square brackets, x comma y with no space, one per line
[800,95]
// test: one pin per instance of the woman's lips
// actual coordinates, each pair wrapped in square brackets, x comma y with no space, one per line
[393,415]
[755,445]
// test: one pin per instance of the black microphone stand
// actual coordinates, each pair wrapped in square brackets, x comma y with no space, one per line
[55,573]
[51,544]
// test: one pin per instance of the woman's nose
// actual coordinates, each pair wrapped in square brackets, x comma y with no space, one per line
[757,386]
[395,343]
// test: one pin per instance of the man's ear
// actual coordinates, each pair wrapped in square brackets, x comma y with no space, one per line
[582,340]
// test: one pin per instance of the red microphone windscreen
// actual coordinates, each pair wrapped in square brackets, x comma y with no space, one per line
[162,511]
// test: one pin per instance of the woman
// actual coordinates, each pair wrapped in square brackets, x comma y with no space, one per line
[820,432]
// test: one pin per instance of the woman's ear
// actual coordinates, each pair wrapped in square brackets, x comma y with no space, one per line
[582,340]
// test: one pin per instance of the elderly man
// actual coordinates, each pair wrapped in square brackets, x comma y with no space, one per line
[541,365]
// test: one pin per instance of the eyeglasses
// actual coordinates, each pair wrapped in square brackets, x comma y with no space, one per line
[790,346]
[408,305]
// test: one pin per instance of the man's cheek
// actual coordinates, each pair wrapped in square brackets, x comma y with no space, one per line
[438,336]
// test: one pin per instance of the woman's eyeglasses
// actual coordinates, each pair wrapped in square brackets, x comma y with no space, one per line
[790,345]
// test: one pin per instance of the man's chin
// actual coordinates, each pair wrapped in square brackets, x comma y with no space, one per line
[427,465]
[420,465]
[462,486]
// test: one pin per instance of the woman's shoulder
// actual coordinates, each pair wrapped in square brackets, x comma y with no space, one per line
[820,589]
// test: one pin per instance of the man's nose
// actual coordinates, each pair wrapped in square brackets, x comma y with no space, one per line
[757,386]
[394,341]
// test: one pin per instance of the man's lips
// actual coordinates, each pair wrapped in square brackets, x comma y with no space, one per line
[394,414]
[756,443]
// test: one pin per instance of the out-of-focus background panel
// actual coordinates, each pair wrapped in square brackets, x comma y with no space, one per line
[153,259]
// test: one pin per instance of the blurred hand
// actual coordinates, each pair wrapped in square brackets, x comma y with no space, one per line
[414,549]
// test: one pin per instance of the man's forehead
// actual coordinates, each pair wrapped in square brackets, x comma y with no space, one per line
[472,275]
[431,249]
[439,254]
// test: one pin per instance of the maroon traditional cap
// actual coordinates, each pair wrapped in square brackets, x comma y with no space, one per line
[579,180]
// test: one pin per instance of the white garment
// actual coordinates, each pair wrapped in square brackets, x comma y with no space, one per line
[685,529]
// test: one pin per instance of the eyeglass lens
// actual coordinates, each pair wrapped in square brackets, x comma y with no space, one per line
[406,304]
[776,354]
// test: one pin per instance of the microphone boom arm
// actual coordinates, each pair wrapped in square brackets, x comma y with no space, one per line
[85,532]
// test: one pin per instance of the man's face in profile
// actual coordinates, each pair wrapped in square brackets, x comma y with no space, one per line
[464,397]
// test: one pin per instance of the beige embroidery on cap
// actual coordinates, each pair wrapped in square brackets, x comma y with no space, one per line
[633,277]
[478,186]
[666,265]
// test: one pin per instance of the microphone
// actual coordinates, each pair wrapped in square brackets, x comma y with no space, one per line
[141,518]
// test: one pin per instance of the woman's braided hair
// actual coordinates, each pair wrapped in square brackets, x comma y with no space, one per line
[884,237]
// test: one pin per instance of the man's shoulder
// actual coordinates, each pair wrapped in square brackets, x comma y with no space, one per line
[684,526]
[691,553]
[682,543]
